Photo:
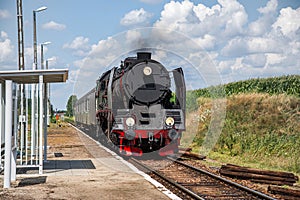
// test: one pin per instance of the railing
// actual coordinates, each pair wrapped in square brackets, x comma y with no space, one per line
[2,157]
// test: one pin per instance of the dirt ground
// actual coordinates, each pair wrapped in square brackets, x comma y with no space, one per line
[99,175]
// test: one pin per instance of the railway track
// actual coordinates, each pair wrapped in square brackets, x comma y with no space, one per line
[189,182]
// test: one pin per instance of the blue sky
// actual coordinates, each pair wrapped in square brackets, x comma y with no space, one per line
[241,39]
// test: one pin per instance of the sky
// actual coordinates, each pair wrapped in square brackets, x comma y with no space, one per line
[215,41]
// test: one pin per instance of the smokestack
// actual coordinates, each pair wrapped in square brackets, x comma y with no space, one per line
[143,55]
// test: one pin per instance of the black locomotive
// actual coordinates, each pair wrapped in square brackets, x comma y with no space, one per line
[139,107]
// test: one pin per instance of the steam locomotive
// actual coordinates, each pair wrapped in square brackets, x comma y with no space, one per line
[139,107]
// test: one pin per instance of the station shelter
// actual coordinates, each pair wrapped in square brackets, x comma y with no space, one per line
[21,148]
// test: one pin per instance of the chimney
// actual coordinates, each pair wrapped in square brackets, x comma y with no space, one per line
[143,55]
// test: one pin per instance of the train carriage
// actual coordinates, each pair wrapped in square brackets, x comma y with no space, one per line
[85,112]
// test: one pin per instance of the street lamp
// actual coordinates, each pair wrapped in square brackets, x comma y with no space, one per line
[42,53]
[48,91]
[34,34]
[33,95]
[41,9]
[48,94]
[47,62]
[45,102]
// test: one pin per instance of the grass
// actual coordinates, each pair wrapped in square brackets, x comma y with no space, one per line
[260,130]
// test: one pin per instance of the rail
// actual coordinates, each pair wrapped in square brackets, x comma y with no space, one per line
[192,182]
[246,189]
[190,193]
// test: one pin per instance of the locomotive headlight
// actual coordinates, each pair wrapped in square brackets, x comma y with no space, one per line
[130,121]
[147,71]
[170,121]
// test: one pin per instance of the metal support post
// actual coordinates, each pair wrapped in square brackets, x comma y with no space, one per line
[14,164]
[20,34]
[36,120]
[48,98]
[15,133]
[26,123]
[2,122]
[32,123]
[8,133]
[41,125]
[21,67]
[45,120]
[21,121]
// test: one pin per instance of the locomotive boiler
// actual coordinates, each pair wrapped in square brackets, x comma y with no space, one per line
[140,106]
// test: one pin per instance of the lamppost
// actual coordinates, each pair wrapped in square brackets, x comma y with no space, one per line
[34,34]
[48,95]
[45,102]
[22,119]
[42,53]
[33,96]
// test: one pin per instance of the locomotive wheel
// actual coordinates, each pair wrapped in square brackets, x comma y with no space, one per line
[114,138]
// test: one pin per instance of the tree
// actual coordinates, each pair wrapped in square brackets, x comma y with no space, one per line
[70,105]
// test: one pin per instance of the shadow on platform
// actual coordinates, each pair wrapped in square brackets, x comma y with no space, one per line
[32,181]
[51,166]
[69,164]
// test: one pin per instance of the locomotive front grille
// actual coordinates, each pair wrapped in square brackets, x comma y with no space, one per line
[147,115]
[146,118]
[144,122]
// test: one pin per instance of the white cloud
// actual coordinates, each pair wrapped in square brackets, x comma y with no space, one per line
[269,8]
[175,15]
[262,45]
[288,22]
[224,67]
[7,56]
[78,42]
[4,14]
[132,36]
[255,60]
[237,48]
[273,58]
[4,34]
[233,15]
[203,12]
[80,45]
[136,17]
[97,59]
[263,24]
[206,42]
[251,45]
[109,52]
[226,17]
[247,46]
[54,26]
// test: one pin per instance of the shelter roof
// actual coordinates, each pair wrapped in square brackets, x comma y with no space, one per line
[32,76]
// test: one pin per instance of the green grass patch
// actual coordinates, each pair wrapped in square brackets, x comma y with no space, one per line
[260,130]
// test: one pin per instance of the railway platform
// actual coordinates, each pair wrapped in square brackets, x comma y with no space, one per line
[79,168]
